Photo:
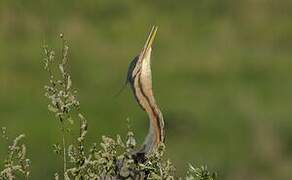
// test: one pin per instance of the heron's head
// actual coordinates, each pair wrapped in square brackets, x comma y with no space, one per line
[146,51]
[141,63]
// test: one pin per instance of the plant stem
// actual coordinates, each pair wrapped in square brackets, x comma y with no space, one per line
[64,149]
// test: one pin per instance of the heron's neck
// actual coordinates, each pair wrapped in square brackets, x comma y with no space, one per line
[156,133]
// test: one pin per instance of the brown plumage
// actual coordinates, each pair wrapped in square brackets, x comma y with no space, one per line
[140,78]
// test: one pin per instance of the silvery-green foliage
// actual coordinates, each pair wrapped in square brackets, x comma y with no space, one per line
[16,165]
[65,105]
[59,90]
[114,160]
[200,173]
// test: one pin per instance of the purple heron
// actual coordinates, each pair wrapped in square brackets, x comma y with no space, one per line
[140,78]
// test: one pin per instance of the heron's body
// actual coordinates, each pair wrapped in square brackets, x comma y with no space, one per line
[140,78]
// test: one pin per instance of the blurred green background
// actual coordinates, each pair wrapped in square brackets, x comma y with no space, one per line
[222,75]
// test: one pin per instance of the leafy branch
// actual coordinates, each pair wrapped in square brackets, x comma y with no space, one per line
[62,97]
[16,164]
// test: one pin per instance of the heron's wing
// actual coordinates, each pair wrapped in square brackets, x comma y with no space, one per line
[131,68]
[129,75]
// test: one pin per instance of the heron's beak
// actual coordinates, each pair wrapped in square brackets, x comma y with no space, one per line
[149,42]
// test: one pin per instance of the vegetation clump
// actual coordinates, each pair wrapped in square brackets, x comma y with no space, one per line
[16,165]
